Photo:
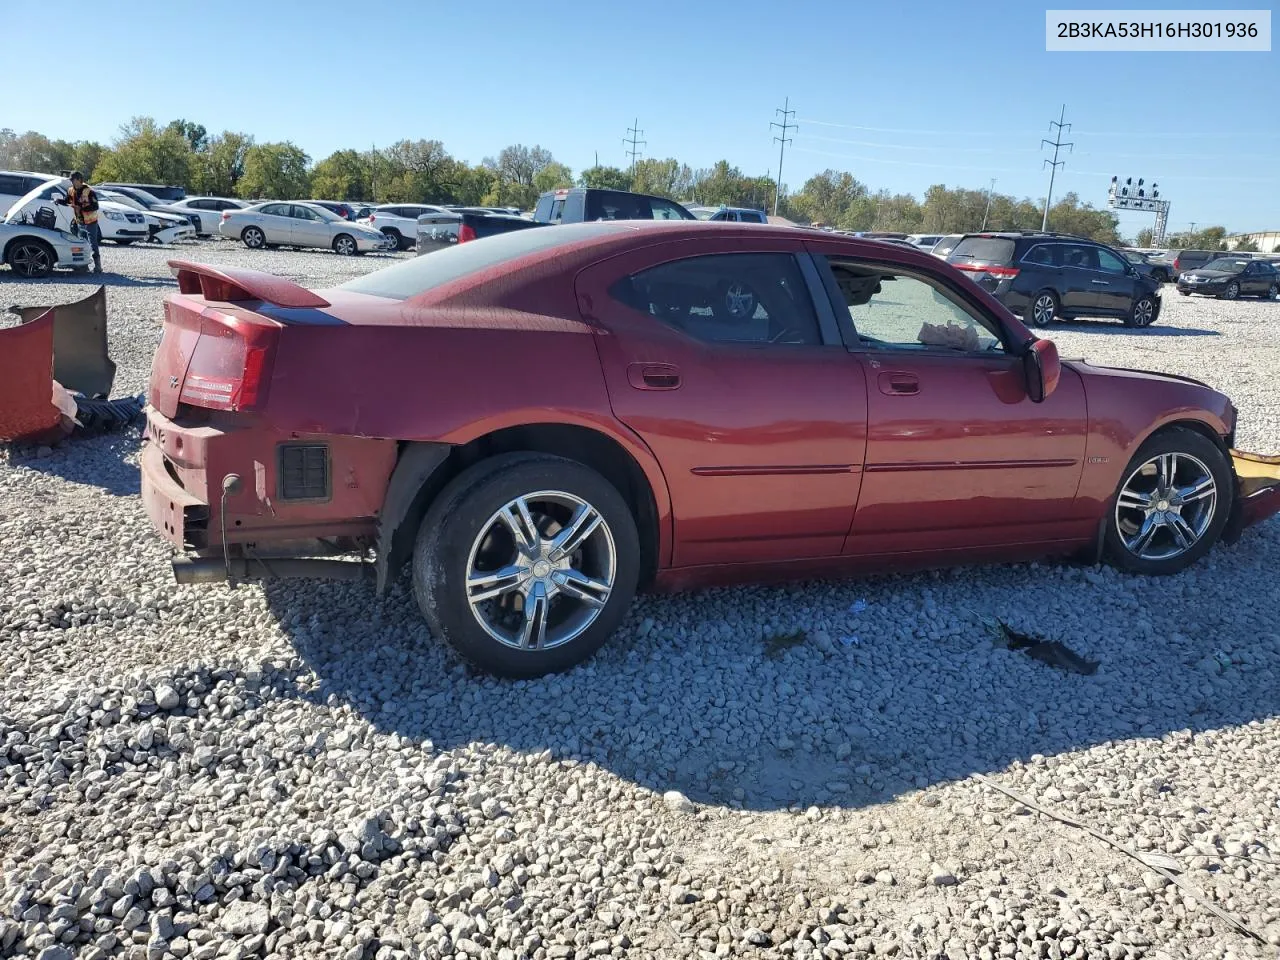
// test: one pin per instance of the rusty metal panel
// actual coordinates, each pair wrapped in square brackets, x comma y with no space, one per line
[29,399]
[80,360]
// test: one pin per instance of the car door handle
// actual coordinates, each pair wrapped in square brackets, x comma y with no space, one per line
[654,376]
[1101,283]
[899,384]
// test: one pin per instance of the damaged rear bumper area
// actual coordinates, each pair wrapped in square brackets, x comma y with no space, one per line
[56,375]
[1257,492]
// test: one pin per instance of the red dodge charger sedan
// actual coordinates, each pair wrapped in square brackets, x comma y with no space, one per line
[543,422]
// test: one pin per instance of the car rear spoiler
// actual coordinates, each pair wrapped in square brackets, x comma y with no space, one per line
[230,285]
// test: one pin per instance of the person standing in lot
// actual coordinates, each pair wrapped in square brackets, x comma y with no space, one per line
[84,205]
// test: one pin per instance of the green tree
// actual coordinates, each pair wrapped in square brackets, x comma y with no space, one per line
[552,177]
[1145,238]
[417,171]
[343,175]
[219,168]
[277,171]
[663,178]
[1069,215]
[605,178]
[835,198]
[470,184]
[145,153]
[514,170]
[1247,246]
[194,133]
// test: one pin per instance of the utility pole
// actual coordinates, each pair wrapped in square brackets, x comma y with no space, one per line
[1193,226]
[985,212]
[1057,143]
[782,141]
[632,138]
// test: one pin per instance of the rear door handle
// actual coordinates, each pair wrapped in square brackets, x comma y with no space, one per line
[653,376]
[898,384]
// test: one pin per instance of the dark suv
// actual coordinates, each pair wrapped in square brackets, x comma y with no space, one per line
[1044,277]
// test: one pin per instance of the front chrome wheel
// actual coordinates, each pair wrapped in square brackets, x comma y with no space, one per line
[541,570]
[1232,291]
[1166,506]
[1143,312]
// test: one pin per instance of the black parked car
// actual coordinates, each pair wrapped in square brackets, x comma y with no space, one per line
[1044,277]
[1158,270]
[1229,277]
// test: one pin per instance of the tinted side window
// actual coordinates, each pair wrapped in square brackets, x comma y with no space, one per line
[753,217]
[1079,255]
[542,211]
[666,210]
[727,298]
[1042,254]
[275,210]
[572,209]
[11,185]
[1109,262]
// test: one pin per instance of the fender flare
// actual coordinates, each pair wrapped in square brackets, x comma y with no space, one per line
[406,491]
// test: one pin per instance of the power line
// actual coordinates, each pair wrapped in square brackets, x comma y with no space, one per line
[782,142]
[1057,143]
[634,133]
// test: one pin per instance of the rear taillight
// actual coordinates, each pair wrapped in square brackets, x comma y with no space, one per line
[466,232]
[230,366]
[1177,263]
[1000,273]
[226,215]
[372,218]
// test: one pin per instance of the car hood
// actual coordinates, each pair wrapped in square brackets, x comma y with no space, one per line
[1210,274]
[1087,369]
[172,219]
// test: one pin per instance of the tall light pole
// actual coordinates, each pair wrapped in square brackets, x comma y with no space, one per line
[988,210]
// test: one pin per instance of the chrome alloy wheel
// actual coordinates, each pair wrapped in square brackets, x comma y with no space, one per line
[1143,312]
[541,570]
[1042,311]
[1165,506]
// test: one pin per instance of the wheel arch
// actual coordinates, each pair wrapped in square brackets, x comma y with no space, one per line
[424,468]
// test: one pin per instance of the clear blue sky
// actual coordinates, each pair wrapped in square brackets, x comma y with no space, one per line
[903,95]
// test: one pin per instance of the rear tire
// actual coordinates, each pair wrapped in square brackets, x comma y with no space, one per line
[344,245]
[1195,459]
[1272,293]
[1042,311]
[253,238]
[464,537]
[33,259]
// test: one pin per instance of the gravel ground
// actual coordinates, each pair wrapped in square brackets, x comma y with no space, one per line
[808,771]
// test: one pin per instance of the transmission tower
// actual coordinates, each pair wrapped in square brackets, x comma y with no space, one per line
[782,142]
[1057,143]
[635,143]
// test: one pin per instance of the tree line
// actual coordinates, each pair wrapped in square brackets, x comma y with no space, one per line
[235,164]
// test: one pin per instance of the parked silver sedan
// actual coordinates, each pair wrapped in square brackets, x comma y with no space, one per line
[280,224]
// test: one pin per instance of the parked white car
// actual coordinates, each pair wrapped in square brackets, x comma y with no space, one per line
[33,252]
[119,222]
[161,227]
[205,213]
[924,241]
[399,221]
[279,224]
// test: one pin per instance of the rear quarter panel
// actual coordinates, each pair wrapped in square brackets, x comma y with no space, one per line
[1125,408]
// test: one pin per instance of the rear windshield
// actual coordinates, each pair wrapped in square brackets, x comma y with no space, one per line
[412,277]
[985,249]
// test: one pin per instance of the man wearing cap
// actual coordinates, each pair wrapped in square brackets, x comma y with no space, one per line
[84,205]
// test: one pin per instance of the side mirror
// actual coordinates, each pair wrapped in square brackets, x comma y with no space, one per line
[1043,369]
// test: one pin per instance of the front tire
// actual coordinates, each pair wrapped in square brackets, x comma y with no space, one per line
[253,238]
[1172,503]
[344,245]
[1232,291]
[33,259]
[526,564]
[1143,312]
[396,238]
[1042,311]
